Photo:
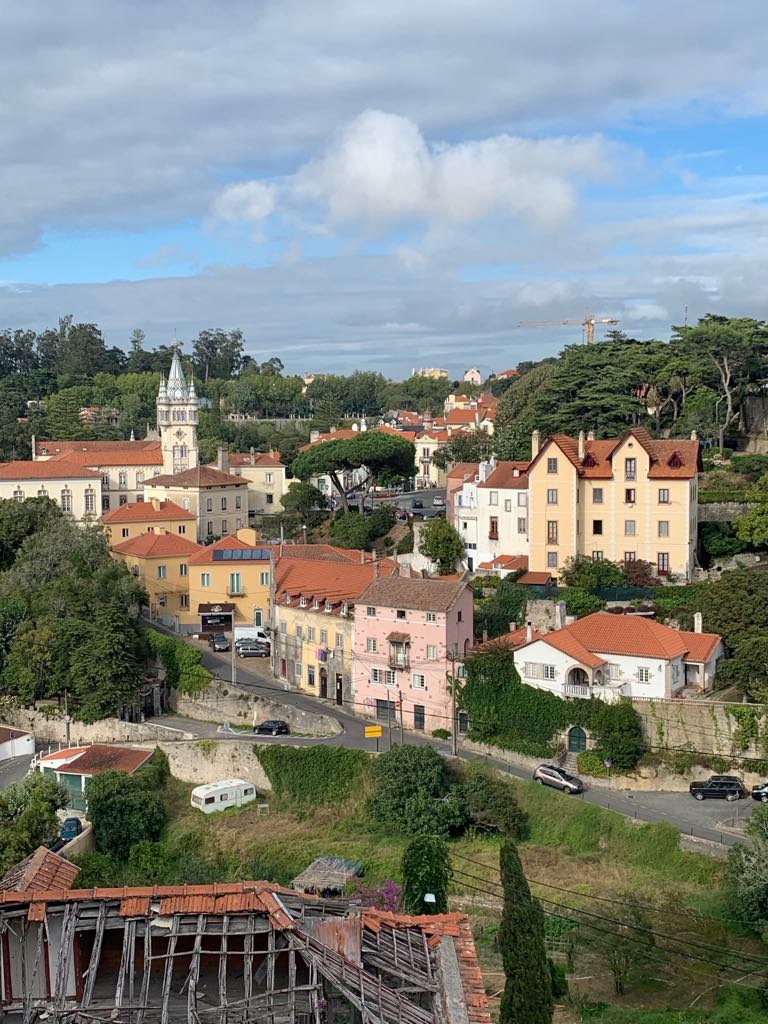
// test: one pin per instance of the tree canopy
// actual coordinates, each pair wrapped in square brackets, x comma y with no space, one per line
[441,544]
[385,459]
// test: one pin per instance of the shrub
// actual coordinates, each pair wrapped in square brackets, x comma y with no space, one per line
[122,813]
[580,602]
[183,663]
[588,574]
[591,763]
[155,772]
[493,804]
[314,775]
[426,869]
[411,793]
[351,530]
[441,734]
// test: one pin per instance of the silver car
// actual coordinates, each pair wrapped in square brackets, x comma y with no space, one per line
[558,778]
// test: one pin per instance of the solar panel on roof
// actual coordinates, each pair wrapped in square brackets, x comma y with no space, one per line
[241,555]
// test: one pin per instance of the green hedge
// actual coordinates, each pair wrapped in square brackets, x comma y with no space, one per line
[314,775]
[721,497]
[183,663]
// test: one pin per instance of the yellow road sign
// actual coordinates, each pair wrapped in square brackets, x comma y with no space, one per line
[372,732]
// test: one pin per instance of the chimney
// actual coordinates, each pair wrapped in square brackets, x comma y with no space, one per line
[253,456]
[156,503]
[485,636]
[560,615]
[222,459]
[535,443]
[375,570]
[698,622]
[591,435]
[313,435]
[34,448]
[528,632]
[362,557]
[694,435]
[333,430]
[512,627]
[582,449]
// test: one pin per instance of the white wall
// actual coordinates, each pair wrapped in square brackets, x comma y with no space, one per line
[18,746]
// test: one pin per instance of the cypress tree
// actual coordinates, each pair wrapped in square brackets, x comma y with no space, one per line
[527,995]
[426,869]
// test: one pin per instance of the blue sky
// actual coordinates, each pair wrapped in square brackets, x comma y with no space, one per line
[383,185]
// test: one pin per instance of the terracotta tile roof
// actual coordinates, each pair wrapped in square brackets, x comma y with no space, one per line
[343,434]
[431,435]
[535,579]
[59,447]
[669,460]
[101,757]
[132,456]
[65,752]
[398,637]
[517,638]
[409,435]
[53,470]
[434,595]
[459,416]
[157,545]
[508,563]
[200,476]
[508,373]
[6,733]
[404,416]
[701,646]
[204,554]
[325,581]
[507,476]
[42,870]
[145,512]
[463,470]
[260,459]
[570,645]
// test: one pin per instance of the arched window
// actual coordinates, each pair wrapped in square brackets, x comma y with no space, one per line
[42,493]
[90,500]
[66,501]
[18,494]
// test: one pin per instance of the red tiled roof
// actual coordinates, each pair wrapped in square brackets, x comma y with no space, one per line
[458,416]
[260,459]
[145,512]
[111,457]
[200,476]
[701,646]
[535,579]
[509,563]
[325,581]
[42,870]
[10,734]
[508,475]
[53,470]
[462,470]
[508,373]
[101,757]
[668,459]
[57,755]
[157,545]
[517,638]
[435,595]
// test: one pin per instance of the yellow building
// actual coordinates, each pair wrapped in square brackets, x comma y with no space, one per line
[162,562]
[265,475]
[230,584]
[622,499]
[128,521]
[75,489]
[313,622]
[218,500]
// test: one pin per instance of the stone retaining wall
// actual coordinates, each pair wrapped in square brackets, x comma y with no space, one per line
[706,727]
[108,730]
[212,760]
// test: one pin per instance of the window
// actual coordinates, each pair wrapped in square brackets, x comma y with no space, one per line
[418,717]
[209,529]
[597,556]
[493,497]
[551,465]
[522,499]
[90,500]
[268,477]
[234,583]
[125,531]
[182,569]
[662,562]
[463,721]
[597,496]
[105,503]
[66,500]
[377,675]
[223,504]
[182,530]
[264,579]
[552,496]
[370,612]
[324,637]
[493,529]
[185,504]
[629,527]
[310,675]
[297,670]
[663,495]
[630,556]
[339,642]
[630,469]
[552,531]
[258,617]
[311,634]
[122,479]
[431,652]
[302,602]
[284,628]
[431,617]
[185,600]
[418,681]
[224,526]
[371,645]
[643,675]
[522,525]
[458,616]
[161,572]
[205,579]
[551,559]
[629,496]
[270,499]
[549,671]
[42,493]
[663,530]
[390,677]
[507,504]
[400,613]
[209,504]
[386,710]
[299,631]
[139,481]
[105,480]
[123,499]
[597,527]
[238,501]
[238,524]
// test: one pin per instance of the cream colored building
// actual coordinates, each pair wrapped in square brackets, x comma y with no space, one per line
[218,501]
[74,489]
[622,499]
[161,561]
[123,467]
[264,474]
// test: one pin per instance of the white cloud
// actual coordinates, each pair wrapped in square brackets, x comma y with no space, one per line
[250,201]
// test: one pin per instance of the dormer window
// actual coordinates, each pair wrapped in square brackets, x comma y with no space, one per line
[315,605]
[674,461]
[344,608]
[286,598]
[328,606]
[302,602]
[589,461]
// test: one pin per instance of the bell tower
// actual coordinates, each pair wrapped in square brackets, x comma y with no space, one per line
[177,415]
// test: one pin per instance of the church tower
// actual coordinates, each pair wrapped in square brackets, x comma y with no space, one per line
[177,414]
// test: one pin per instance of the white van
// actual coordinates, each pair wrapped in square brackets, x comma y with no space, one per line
[218,796]
[258,633]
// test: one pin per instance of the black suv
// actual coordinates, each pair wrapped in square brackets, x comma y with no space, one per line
[718,787]
[760,792]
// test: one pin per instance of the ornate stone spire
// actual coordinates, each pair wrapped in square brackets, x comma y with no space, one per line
[163,391]
[177,385]
[191,393]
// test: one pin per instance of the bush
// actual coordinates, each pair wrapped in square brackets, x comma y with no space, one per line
[351,530]
[314,775]
[588,574]
[426,869]
[183,663]
[155,772]
[411,793]
[122,813]
[381,521]
[441,734]
[580,602]
[493,804]
[591,763]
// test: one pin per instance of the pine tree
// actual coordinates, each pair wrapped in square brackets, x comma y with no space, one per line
[527,995]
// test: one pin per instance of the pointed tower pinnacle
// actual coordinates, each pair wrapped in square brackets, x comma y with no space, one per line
[191,393]
[162,391]
[177,385]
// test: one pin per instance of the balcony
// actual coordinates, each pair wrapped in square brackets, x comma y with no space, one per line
[576,690]
[235,592]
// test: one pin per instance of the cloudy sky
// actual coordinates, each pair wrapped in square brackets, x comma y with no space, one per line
[383,185]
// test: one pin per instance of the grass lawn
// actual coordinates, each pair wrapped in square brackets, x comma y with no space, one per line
[573,845]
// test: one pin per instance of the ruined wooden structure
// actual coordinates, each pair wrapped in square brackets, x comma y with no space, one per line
[239,954]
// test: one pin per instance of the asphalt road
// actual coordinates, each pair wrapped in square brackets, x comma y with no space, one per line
[701,820]
[13,769]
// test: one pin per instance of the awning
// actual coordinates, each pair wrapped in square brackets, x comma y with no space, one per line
[215,609]
[399,638]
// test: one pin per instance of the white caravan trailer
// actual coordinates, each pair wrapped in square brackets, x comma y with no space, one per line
[218,796]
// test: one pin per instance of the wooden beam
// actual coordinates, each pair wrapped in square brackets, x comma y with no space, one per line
[194,972]
[168,971]
[248,963]
[270,972]
[65,954]
[145,978]
[292,982]
[223,971]
[93,966]
[129,933]
[30,983]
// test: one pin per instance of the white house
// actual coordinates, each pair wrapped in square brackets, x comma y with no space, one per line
[490,512]
[612,656]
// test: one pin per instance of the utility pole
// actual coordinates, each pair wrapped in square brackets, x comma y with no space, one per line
[452,654]
[67,719]
[389,720]
[232,652]
[400,702]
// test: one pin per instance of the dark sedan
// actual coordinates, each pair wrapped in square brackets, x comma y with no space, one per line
[272,727]
[760,792]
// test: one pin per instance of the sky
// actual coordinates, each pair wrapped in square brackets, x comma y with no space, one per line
[383,185]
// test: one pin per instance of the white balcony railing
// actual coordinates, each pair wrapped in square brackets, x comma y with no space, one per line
[576,690]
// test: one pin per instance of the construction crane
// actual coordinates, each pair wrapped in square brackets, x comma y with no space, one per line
[587,324]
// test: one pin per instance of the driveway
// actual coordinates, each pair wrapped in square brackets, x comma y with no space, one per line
[13,769]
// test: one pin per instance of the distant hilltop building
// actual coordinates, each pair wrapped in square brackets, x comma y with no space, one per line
[473,376]
[432,372]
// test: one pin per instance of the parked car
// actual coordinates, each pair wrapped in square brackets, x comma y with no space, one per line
[417,503]
[272,727]
[718,787]
[70,829]
[558,778]
[760,792]
[218,642]
[252,635]
[254,649]
[438,502]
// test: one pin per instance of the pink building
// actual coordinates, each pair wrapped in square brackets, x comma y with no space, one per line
[406,631]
